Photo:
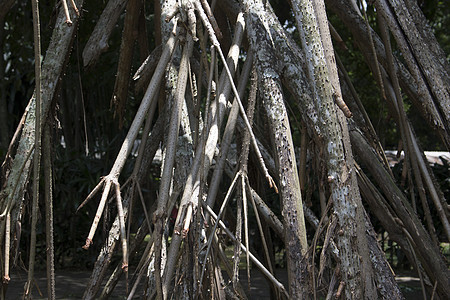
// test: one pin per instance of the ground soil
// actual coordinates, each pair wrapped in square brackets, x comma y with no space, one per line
[71,285]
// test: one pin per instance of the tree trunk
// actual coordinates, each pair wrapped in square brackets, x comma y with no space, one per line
[294,224]
[428,253]
[297,79]
[52,68]
[421,97]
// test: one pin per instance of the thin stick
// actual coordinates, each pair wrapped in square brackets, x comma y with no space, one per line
[236,94]
[37,148]
[217,217]
[166,177]
[74,6]
[332,283]
[137,167]
[6,277]
[245,206]
[223,258]
[139,276]
[122,227]
[172,138]
[413,152]
[269,216]
[141,197]
[98,214]
[211,19]
[243,167]
[238,234]
[127,145]
[66,12]
[228,135]
[48,184]
[192,180]
[434,290]
[86,139]
[92,193]
[261,231]
[314,244]
[410,241]
[263,269]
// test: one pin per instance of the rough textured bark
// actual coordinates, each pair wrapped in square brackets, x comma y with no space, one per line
[356,269]
[37,146]
[98,41]
[349,249]
[289,61]
[169,159]
[52,67]
[291,199]
[422,99]
[425,30]
[431,65]
[49,233]
[183,160]
[427,252]
[270,84]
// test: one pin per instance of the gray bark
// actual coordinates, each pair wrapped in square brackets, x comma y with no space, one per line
[356,269]
[422,99]
[104,257]
[273,101]
[98,41]
[416,44]
[427,252]
[52,67]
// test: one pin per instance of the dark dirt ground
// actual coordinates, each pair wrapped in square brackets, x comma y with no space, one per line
[71,285]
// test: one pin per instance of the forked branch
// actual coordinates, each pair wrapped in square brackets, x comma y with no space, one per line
[127,145]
